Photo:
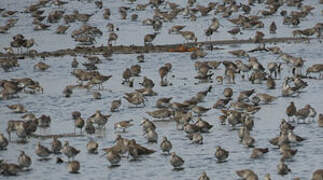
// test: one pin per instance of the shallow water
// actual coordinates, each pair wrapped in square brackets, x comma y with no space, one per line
[197,158]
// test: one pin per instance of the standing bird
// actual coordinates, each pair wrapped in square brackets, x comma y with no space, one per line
[149,38]
[17,108]
[92,147]
[166,145]
[79,123]
[221,154]
[319,121]
[42,151]
[69,151]
[24,160]
[272,28]
[73,166]
[112,37]
[56,145]
[291,110]
[282,168]
[114,158]
[204,176]
[176,161]
[123,125]
[74,63]
[115,105]
[188,36]
[3,142]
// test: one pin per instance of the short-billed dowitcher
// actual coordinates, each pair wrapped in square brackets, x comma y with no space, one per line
[166,145]
[56,145]
[69,151]
[24,160]
[3,142]
[92,147]
[42,151]
[176,161]
[123,125]
[221,154]
[258,152]
[204,176]
[73,166]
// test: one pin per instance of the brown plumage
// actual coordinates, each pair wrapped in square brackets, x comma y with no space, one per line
[291,110]
[258,152]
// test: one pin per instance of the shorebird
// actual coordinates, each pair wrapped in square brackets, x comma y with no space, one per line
[135,150]
[188,36]
[266,98]
[89,128]
[3,142]
[303,113]
[282,168]
[73,166]
[294,138]
[191,128]
[163,102]
[196,138]
[151,135]
[79,123]
[114,158]
[270,83]
[176,29]
[41,66]
[136,98]
[243,131]
[291,110]
[9,169]
[247,174]
[203,125]
[99,119]
[234,32]
[42,151]
[204,176]
[112,37]
[166,145]
[317,174]
[74,63]
[56,145]
[69,151]
[146,123]
[161,113]
[115,105]
[272,28]
[17,108]
[149,38]
[61,29]
[221,103]
[96,95]
[24,160]
[320,120]
[92,147]
[258,152]
[248,141]
[228,92]
[316,68]
[221,154]
[123,125]
[176,161]
[199,110]
[287,154]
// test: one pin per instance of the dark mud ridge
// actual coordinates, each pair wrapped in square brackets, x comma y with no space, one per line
[133,49]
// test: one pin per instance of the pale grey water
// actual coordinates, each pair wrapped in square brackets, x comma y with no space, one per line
[197,158]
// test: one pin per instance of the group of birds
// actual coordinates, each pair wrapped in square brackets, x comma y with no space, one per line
[189,114]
